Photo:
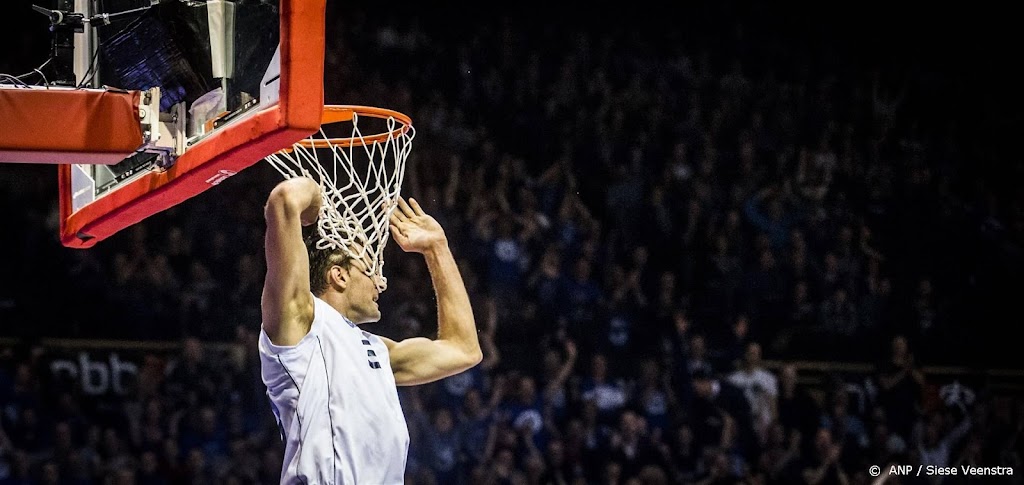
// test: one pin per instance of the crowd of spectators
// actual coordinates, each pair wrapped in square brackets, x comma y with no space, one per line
[640,217]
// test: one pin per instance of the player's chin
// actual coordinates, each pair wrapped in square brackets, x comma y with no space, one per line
[373,314]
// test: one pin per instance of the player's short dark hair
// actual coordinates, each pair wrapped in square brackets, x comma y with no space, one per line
[321,260]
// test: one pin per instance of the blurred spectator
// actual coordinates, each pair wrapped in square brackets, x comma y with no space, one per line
[824,465]
[760,388]
[901,383]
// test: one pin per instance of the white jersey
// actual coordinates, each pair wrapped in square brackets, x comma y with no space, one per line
[335,398]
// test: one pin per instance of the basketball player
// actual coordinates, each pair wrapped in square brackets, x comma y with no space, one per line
[332,384]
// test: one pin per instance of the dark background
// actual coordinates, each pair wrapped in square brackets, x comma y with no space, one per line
[510,93]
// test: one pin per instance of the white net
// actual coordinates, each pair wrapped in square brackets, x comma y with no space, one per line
[361,181]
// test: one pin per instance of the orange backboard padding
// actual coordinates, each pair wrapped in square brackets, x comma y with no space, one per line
[63,125]
[227,151]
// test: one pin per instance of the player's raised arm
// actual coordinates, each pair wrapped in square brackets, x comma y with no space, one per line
[456,348]
[287,303]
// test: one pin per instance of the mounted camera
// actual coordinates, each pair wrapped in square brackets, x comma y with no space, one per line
[64,24]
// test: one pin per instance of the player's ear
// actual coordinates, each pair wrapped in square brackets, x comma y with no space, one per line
[338,277]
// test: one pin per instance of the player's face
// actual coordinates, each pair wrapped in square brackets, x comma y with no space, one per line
[363,295]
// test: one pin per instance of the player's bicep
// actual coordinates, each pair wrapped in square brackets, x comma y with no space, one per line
[287,303]
[420,360]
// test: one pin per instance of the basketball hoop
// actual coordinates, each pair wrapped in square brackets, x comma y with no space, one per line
[360,177]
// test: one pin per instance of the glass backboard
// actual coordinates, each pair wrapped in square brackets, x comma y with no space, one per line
[224,83]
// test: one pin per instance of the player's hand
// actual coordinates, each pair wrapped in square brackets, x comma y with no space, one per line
[414,230]
[311,213]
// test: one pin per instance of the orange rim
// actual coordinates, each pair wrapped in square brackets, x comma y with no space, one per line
[342,113]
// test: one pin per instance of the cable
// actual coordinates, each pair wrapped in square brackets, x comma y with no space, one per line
[20,79]
[107,18]
[100,20]
[91,73]
[17,82]
[46,82]
[38,70]
[103,20]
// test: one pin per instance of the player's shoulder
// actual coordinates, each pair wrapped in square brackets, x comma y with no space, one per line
[374,338]
[323,311]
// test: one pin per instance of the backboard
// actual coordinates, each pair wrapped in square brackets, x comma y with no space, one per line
[222,84]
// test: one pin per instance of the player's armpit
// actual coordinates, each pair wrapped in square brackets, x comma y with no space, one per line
[287,303]
[420,360]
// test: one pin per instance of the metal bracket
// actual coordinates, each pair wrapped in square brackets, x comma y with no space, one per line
[163,133]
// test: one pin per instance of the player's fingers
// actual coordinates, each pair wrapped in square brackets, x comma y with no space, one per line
[404,207]
[416,207]
[397,217]
[397,233]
